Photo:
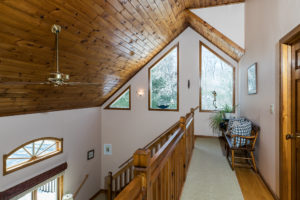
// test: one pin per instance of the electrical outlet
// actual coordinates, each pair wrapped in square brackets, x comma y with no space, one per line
[107,149]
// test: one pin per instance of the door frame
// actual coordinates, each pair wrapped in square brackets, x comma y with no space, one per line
[285,165]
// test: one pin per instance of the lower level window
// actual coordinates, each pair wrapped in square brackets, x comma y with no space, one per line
[50,191]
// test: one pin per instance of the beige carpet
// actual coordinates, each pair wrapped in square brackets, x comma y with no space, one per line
[210,176]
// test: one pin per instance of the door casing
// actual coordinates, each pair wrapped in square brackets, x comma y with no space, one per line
[287,192]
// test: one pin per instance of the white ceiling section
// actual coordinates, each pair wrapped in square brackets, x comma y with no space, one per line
[228,19]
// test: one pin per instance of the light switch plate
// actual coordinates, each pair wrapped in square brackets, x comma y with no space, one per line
[272,108]
[107,149]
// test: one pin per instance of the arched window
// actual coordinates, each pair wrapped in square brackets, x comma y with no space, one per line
[31,152]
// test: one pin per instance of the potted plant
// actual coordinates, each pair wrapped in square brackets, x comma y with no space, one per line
[220,117]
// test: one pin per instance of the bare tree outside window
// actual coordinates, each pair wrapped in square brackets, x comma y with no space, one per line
[217,81]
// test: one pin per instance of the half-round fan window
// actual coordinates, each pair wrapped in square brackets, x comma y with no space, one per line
[31,152]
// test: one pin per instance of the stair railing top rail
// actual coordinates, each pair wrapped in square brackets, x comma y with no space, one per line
[166,132]
[152,167]
[153,142]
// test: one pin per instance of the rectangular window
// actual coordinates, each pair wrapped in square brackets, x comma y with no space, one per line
[217,79]
[52,190]
[163,82]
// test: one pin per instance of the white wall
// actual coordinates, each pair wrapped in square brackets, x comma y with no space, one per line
[266,22]
[228,19]
[80,130]
[130,130]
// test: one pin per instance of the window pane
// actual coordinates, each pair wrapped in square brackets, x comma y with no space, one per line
[13,162]
[47,147]
[29,148]
[26,197]
[122,101]
[216,76]
[37,146]
[21,153]
[48,191]
[35,150]
[163,82]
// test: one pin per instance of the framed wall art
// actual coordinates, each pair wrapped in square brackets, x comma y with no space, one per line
[252,79]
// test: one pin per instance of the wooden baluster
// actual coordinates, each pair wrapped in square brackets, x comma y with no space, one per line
[115,186]
[122,181]
[141,162]
[109,186]
[119,184]
[126,177]
[131,173]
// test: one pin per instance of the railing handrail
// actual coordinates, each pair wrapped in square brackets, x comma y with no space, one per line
[163,154]
[177,138]
[152,142]
[134,188]
[158,137]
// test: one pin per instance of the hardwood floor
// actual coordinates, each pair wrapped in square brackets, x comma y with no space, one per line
[252,185]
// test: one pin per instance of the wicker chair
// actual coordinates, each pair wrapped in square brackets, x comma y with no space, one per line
[234,145]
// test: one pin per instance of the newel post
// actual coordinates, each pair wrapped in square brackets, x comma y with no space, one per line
[192,127]
[109,186]
[141,163]
[183,127]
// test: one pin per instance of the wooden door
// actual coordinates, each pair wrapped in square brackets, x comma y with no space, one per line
[295,135]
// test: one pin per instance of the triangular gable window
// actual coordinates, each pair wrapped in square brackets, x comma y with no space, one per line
[122,102]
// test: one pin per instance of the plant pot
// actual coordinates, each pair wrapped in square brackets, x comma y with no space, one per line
[229,115]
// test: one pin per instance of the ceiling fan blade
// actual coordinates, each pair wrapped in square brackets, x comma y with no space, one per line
[24,83]
[81,83]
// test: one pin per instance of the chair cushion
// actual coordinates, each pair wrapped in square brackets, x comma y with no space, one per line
[243,129]
[234,122]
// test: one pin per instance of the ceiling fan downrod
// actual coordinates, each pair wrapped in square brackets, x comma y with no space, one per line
[59,77]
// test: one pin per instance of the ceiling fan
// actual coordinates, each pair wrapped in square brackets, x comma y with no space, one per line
[56,78]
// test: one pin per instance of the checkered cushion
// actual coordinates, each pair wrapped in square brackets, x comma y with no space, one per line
[243,129]
[233,122]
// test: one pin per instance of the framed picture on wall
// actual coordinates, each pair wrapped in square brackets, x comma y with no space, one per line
[252,79]
[91,154]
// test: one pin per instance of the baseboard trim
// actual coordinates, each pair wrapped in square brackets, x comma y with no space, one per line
[97,193]
[268,186]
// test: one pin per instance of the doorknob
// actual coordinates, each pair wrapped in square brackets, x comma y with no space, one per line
[290,136]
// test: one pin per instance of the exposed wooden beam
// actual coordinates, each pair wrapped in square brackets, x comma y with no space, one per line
[214,36]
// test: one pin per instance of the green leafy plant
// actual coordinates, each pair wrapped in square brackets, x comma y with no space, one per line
[216,120]
[219,117]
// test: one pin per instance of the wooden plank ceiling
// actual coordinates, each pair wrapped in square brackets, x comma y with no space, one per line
[103,41]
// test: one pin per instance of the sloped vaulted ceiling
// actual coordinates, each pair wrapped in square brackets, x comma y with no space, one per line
[103,41]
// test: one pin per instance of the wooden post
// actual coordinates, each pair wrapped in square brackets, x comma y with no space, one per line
[141,163]
[109,186]
[193,128]
[183,126]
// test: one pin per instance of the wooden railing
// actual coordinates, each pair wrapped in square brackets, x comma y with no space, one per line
[117,181]
[158,170]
